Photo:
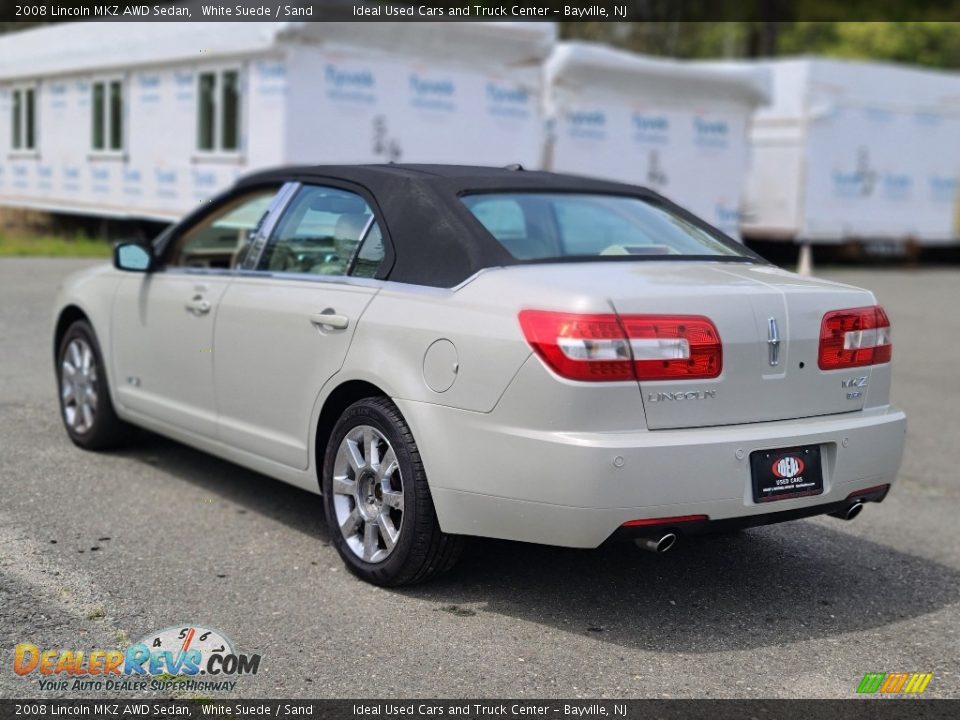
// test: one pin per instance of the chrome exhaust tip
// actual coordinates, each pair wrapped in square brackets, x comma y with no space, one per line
[657,544]
[853,511]
[849,512]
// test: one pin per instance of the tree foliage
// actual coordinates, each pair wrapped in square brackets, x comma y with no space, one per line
[933,44]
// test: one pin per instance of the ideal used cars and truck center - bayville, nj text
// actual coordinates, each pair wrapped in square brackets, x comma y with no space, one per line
[481,12]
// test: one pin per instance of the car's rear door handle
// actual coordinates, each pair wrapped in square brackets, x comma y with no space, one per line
[329,319]
[199,305]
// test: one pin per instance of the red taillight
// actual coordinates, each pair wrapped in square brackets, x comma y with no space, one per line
[607,347]
[674,347]
[665,520]
[579,347]
[854,337]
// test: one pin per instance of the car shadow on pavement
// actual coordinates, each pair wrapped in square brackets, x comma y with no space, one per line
[254,492]
[765,586]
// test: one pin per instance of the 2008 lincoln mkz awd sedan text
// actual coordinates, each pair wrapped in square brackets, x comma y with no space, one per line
[447,351]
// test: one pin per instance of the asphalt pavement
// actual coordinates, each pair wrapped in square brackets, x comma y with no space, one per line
[97,550]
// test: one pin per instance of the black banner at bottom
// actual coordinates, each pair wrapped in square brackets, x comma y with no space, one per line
[854,709]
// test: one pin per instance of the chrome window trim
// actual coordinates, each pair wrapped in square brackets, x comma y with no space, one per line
[259,243]
[198,271]
[363,237]
[310,277]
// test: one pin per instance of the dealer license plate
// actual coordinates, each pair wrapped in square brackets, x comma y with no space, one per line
[788,473]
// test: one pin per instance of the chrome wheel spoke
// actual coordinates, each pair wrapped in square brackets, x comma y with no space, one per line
[87,416]
[371,451]
[353,455]
[387,465]
[75,355]
[86,358]
[370,543]
[351,524]
[392,499]
[387,531]
[343,485]
[77,419]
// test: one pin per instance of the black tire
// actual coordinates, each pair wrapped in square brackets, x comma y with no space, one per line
[422,550]
[106,430]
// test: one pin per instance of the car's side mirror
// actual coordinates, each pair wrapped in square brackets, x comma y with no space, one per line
[132,257]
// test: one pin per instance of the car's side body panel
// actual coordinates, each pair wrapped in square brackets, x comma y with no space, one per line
[403,322]
[162,352]
[304,479]
[271,358]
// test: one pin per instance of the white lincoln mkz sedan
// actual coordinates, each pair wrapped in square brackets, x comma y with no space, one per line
[449,351]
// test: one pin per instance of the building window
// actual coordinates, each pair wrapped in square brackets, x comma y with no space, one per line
[107,116]
[23,120]
[218,111]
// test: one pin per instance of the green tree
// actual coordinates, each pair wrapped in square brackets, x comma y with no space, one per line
[933,44]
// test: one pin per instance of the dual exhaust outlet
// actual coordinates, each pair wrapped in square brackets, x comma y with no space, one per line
[661,543]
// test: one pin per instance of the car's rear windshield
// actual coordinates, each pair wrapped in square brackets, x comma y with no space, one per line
[536,226]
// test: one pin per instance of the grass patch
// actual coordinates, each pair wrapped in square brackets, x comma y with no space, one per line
[97,612]
[27,245]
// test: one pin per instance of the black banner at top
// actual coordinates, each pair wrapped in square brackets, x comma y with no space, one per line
[478,10]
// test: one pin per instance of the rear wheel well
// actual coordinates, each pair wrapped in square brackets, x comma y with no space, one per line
[339,400]
[68,316]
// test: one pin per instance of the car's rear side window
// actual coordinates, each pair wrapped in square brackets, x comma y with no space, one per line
[546,226]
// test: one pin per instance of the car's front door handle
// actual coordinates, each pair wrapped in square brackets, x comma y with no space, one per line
[329,319]
[199,305]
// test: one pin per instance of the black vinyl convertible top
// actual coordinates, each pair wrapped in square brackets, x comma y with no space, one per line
[436,239]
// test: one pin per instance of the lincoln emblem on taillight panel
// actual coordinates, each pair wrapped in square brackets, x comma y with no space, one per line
[773,341]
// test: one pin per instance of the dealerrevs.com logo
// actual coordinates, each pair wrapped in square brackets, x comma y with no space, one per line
[186,657]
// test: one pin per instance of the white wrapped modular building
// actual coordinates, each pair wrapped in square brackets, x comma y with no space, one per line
[677,127]
[146,120]
[856,151]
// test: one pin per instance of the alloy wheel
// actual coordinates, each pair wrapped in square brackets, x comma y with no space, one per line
[79,385]
[368,493]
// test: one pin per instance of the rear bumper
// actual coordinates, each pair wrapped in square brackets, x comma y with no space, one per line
[492,478]
[707,526]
